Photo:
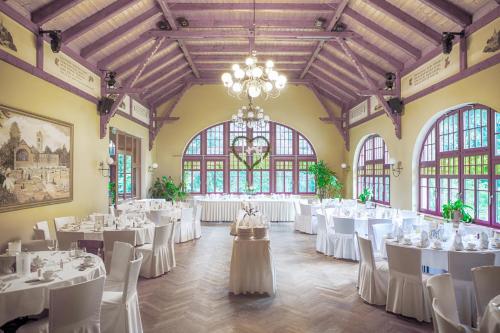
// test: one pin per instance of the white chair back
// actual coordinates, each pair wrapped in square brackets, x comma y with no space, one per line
[155,216]
[305,209]
[82,314]
[131,278]
[187,215]
[162,234]
[197,215]
[445,324]
[65,238]
[486,285]
[461,263]
[42,228]
[60,222]
[408,223]
[343,225]
[441,287]
[366,252]
[405,260]
[321,226]
[379,232]
[296,205]
[123,253]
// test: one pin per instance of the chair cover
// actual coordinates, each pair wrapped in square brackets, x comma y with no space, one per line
[36,245]
[120,309]
[322,236]
[171,242]
[156,255]
[371,233]
[197,221]
[155,216]
[445,324]
[305,221]
[459,266]
[59,222]
[379,235]
[408,223]
[112,236]
[185,232]
[406,294]
[65,238]
[42,229]
[441,288]
[343,241]
[82,315]
[486,285]
[372,277]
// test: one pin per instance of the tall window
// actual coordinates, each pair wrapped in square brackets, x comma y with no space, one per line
[211,166]
[464,162]
[127,169]
[373,170]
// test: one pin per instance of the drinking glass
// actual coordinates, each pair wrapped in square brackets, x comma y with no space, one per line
[52,245]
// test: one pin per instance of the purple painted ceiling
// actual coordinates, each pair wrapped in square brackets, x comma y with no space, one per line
[380,36]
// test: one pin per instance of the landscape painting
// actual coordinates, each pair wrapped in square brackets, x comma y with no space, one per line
[36,160]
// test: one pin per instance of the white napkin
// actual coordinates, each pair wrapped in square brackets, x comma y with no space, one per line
[484,240]
[458,245]
[424,239]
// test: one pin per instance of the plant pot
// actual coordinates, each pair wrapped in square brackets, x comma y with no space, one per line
[457,217]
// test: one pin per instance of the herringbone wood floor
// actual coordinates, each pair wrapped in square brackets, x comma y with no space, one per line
[315,293]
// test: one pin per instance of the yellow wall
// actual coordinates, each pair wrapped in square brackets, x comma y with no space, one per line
[20,90]
[482,87]
[203,106]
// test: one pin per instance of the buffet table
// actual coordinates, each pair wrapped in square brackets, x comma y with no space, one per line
[223,210]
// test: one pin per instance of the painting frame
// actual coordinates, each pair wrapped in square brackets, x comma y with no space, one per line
[70,165]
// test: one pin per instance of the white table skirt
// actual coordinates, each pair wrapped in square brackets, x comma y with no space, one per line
[22,299]
[491,318]
[143,235]
[227,210]
[252,269]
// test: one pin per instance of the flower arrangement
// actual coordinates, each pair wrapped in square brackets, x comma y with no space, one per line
[165,188]
[457,211]
[366,195]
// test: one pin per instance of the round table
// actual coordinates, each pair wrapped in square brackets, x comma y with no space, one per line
[29,296]
[143,234]
[491,317]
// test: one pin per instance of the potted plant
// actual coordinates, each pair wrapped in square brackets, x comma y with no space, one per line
[366,195]
[165,188]
[327,182]
[457,212]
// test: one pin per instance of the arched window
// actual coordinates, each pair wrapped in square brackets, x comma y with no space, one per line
[210,165]
[373,169]
[460,158]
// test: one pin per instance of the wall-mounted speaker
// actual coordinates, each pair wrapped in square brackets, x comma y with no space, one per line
[105,105]
[396,105]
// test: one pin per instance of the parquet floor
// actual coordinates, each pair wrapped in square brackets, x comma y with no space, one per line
[315,293]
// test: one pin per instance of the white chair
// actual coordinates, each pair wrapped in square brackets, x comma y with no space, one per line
[65,238]
[120,309]
[122,254]
[171,242]
[197,221]
[41,230]
[372,277]
[445,324]
[459,266]
[60,222]
[322,235]
[379,235]
[409,214]
[155,216]
[406,294]
[306,222]
[185,232]
[408,223]
[111,237]
[372,222]
[156,255]
[441,288]
[72,309]
[486,285]
[343,240]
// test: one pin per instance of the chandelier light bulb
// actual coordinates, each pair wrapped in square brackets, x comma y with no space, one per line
[249,61]
[234,117]
[226,77]
[254,91]
[257,72]
[250,114]
[269,64]
[240,113]
[273,75]
[239,74]
[248,73]
[237,87]
[281,79]
[260,115]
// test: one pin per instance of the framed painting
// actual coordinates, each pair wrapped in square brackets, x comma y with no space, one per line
[36,160]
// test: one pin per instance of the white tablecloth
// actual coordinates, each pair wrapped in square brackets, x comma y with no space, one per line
[143,234]
[218,210]
[252,269]
[22,298]
[491,318]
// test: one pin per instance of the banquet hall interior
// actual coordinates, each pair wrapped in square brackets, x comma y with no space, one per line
[250,166]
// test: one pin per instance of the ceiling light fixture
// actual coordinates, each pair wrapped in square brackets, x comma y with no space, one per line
[250,116]
[55,39]
[447,40]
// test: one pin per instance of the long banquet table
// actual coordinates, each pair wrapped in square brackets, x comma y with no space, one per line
[223,210]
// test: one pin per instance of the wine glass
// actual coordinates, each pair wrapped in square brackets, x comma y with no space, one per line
[52,245]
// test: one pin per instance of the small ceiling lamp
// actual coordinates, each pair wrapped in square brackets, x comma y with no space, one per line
[55,39]
[253,80]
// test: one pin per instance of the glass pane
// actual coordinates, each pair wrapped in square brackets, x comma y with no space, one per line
[128,183]
[121,167]
[128,163]
[215,140]
[194,147]
[469,192]
[482,199]
[284,140]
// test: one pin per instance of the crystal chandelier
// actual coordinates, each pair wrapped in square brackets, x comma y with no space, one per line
[253,80]
[250,116]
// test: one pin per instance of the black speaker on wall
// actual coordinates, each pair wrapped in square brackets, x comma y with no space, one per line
[396,105]
[105,105]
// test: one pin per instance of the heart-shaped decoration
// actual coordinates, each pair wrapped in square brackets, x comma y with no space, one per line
[249,142]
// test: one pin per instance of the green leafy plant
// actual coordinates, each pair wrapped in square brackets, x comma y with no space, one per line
[165,188]
[452,209]
[327,183]
[366,195]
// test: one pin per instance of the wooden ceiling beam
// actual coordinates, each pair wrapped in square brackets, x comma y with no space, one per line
[51,10]
[450,11]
